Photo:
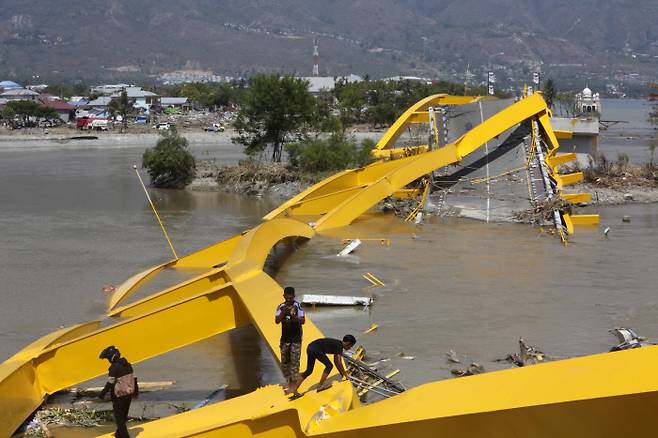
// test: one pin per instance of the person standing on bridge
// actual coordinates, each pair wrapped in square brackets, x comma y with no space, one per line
[122,386]
[290,314]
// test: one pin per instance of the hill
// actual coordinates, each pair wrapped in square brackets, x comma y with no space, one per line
[120,38]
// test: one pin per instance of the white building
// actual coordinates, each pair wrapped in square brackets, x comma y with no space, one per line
[588,102]
[327,83]
[20,94]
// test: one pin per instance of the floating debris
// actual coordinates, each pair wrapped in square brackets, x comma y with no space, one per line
[376,282]
[628,339]
[351,246]
[606,231]
[452,356]
[404,356]
[336,300]
[626,218]
[377,362]
[473,368]
[371,329]
[528,355]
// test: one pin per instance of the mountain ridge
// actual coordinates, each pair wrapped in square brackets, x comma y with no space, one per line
[95,39]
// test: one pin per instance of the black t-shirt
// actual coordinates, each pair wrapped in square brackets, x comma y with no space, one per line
[291,331]
[327,345]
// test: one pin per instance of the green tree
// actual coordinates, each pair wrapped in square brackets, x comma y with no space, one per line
[27,109]
[170,164]
[550,93]
[566,103]
[273,110]
[122,106]
[335,152]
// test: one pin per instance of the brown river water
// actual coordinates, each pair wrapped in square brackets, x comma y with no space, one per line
[76,219]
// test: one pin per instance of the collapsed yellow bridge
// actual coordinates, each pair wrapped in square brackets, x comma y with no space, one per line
[592,396]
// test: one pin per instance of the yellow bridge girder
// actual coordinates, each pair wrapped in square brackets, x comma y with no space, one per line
[235,291]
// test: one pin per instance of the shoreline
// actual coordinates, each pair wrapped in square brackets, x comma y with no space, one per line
[276,181]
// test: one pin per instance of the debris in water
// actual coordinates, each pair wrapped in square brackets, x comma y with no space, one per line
[606,231]
[528,355]
[401,355]
[371,329]
[108,288]
[351,246]
[376,282]
[628,339]
[626,218]
[452,356]
[335,300]
[473,368]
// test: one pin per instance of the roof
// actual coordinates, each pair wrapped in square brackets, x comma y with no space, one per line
[56,104]
[19,92]
[173,101]
[77,103]
[10,85]
[135,92]
[101,101]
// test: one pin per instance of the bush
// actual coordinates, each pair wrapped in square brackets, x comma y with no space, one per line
[170,165]
[334,153]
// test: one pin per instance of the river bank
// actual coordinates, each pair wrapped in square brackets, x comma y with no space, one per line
[279,181]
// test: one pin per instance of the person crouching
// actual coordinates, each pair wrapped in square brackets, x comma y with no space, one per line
[317,350]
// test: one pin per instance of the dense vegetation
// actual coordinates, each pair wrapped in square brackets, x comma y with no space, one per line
[27,111]
[169,164]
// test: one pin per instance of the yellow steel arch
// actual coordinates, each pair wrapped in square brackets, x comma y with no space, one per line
[417,113]
[235,291]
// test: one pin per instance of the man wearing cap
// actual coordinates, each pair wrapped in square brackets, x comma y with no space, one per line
[122,386]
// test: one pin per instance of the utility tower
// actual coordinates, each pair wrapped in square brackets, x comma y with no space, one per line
[316,58]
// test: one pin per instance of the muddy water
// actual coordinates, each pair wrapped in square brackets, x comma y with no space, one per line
[72,221]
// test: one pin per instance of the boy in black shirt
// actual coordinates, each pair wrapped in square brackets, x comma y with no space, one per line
[122,385]
[290,315]
[317,350]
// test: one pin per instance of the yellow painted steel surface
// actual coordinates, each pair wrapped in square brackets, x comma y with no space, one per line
[234,291]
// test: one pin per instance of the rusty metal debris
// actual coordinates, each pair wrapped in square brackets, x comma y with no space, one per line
[473,368]
[528,355]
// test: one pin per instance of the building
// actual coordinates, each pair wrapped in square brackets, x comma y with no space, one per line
[64,110]
[181,103]
[19,94]
[109,89]
[139,97]
[10,85]
[588,102]
[318,84]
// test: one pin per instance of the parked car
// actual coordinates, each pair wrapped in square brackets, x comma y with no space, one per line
[215,127]
[164,126]
[99,125]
